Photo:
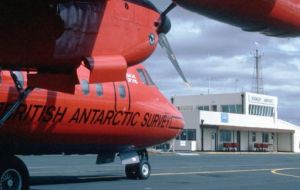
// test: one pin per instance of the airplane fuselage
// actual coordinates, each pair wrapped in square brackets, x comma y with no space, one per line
[114,117]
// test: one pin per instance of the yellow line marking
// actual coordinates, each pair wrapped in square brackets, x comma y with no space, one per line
[278,172]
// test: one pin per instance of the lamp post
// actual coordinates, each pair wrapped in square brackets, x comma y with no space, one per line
[202,134]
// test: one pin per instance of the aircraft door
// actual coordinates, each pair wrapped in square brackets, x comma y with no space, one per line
[122,96]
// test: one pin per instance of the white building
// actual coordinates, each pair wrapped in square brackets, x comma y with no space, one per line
[234,122]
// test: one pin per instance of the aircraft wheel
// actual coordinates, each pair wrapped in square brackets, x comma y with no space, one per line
[144,170]
[13,174]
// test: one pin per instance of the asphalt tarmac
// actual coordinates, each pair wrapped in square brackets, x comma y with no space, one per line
[169,172]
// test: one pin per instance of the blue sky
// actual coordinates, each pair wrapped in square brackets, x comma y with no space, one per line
[222,55]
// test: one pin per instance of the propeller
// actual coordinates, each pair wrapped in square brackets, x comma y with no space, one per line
[163,29]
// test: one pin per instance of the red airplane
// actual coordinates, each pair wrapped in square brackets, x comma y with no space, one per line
[102,118]
[280,18]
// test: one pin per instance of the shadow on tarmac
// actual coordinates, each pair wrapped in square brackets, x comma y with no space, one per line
[55,180]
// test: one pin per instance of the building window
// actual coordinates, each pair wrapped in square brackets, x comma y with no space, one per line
[85,87]
[272,112]
[214,107]
[261,110]
[205,108]
[122,91]
[273,135]
[191,134]
[225,136]
[186,108]
[225,108]
[253,136]
[200,108]
[250,109]
[182,136]
[239,109]
[232,109]
[265,137]
[266,111]
[256,110]
[269,111]
[187,134]
[99,89]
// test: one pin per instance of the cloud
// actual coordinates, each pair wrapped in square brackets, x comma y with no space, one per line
[219,57]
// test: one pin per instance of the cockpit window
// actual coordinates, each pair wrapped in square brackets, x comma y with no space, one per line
[142,76]
[85,87]
[149,78]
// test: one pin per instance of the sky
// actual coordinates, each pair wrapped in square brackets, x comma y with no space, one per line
[218,58]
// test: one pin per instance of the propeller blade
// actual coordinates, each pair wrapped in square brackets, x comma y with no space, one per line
[170,7]
[164,43]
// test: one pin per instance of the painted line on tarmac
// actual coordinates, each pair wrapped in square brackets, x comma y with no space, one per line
[280,172]
[210,172]
[274,171]
[180,173]
[99,177]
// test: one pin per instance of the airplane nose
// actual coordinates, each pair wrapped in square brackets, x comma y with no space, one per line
[178,122]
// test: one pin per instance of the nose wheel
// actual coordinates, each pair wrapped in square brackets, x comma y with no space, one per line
[141,170]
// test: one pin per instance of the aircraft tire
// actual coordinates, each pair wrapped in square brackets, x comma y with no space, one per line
[13,174]
[143,170]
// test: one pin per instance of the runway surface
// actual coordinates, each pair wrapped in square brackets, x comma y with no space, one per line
[169,172]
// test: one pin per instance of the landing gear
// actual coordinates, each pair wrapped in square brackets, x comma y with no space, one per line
[141,170]
[23,93]
[13,174]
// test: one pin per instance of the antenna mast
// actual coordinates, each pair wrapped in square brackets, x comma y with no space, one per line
[257,83]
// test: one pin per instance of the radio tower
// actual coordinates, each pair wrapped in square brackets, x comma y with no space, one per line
[257,83]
